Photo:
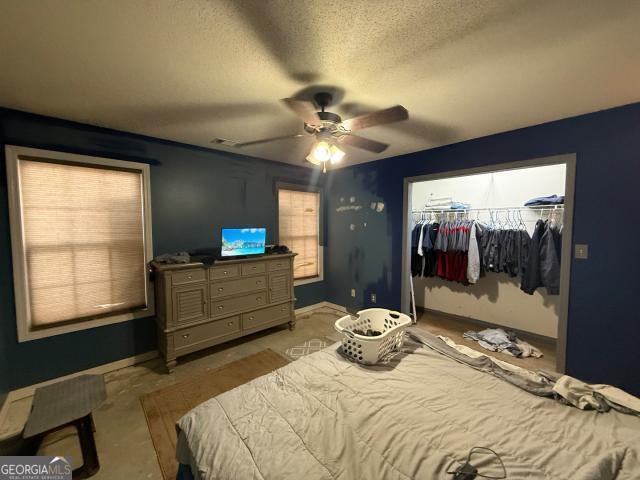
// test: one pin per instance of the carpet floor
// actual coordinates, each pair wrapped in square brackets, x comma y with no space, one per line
[164,407]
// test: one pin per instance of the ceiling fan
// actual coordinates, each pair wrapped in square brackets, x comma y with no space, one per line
[330,130]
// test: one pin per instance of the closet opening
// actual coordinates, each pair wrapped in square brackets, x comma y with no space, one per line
[490,248]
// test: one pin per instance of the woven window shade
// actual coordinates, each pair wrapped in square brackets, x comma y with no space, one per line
[83,233]
[299,229]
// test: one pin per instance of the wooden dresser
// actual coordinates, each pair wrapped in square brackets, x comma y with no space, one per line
[199,306]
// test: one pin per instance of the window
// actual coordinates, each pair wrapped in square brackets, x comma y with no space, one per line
[81,237]
[299,229]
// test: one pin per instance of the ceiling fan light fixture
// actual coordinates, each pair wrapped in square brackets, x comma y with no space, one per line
[325,151]
[336,155]
[321,151]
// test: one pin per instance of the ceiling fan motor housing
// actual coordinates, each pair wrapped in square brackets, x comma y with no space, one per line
[329,121]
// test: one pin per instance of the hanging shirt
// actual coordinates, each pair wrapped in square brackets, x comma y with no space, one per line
[420,239]
[473,262]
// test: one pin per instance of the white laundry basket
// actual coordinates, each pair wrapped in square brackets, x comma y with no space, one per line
[369,350]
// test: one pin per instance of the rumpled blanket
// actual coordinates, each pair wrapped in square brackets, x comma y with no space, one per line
[325,418]
[564,388]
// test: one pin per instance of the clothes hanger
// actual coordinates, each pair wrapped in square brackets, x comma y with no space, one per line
[523,226]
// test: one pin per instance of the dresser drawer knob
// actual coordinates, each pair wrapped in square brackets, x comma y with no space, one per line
[220,307]
[258,282]
[283,309]
[225,273]
[251,317]
[189,277]
[258,298]
[220,289]
[254,267]
[186,335]
[230,324]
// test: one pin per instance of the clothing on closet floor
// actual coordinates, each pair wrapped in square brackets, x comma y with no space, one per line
[498,340]
[543,267]
[550,200]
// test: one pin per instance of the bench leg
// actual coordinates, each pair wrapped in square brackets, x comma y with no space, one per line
[90,463]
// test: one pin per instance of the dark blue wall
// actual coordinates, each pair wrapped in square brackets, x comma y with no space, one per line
[603,321]
[195,192]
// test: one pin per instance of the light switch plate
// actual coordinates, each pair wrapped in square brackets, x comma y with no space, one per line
[581,251]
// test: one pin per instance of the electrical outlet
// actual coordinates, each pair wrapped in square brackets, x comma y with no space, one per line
[373,298]
[353,292]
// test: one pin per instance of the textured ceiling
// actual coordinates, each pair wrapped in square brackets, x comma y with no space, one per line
[193,70]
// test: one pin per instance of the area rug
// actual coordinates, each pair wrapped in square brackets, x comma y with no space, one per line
[164,407]
[307,347]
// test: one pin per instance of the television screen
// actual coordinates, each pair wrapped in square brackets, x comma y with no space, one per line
[243,241]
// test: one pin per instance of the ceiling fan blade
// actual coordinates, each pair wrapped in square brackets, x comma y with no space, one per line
[305,110]
[388,115]
[364,143]
[265,140]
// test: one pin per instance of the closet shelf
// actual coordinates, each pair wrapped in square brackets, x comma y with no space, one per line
[486,209]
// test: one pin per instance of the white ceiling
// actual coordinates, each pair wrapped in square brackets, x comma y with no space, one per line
[193,70]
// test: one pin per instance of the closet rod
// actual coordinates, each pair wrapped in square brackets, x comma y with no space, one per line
[463,210]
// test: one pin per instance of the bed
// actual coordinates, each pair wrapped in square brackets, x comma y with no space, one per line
[324,417]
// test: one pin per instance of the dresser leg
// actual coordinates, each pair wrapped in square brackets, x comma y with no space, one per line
[292,325]
[171,365]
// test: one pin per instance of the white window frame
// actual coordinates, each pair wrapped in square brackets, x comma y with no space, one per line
[300,188]
[20,277]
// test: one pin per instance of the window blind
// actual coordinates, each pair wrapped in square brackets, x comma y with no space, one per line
[83,234]
[299,229]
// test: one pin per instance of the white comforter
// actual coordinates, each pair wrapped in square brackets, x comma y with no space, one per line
[323,417]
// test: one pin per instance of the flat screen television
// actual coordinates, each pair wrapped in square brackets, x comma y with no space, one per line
[242,242]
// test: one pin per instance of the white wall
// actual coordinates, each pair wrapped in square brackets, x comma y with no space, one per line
[496,298]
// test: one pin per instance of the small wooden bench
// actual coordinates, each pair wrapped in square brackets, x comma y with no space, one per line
[70,402]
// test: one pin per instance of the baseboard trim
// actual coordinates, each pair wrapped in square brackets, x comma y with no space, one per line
[482,323]
[310,308]
[28,391]
[336,307]
[4,408]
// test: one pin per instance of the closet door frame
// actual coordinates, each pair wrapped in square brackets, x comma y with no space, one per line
[569,160]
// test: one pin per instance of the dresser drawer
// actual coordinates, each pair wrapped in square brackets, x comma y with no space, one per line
[265,315]
[188,276]
[283,264]
[240,285]
[253,268]
[237,304]
[224,271]
[208,331]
